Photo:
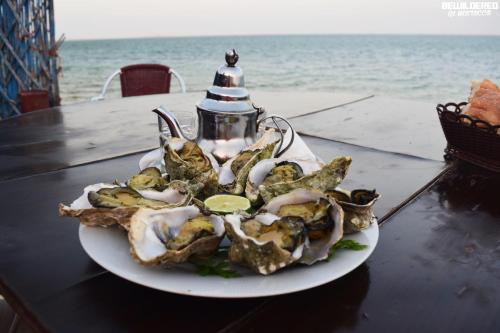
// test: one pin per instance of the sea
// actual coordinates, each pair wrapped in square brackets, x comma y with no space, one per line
[425,68]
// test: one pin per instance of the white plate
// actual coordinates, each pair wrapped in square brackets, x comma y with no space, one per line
[109,247]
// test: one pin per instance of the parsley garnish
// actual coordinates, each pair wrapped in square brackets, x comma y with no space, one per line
[218,265]
[346,244]
[221,269]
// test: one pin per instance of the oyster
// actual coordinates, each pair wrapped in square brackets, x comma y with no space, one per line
[184,160]
[121,197]
[357,206]
[109,204]
[233,174]
[298,227]
[321,215]
[176,193]
[283,172]
[149,178]
[173,235]
[91,216]
[276,170]
[265,243]
[288,232]
[190,231]
[329,176]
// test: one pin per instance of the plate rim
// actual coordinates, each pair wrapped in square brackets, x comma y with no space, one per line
[374,228]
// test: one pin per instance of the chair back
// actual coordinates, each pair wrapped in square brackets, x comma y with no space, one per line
[145,79]
[34,100]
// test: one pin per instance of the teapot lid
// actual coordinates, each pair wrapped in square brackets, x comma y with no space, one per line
[228,92]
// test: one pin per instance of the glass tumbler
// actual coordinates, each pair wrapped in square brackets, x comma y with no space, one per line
[188,126]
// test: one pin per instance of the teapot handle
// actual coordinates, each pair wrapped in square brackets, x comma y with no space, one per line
[280,131]
[261,112]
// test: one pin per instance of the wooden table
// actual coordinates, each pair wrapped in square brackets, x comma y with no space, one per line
[436,267]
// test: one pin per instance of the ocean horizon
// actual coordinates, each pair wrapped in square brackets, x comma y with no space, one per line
[432,68]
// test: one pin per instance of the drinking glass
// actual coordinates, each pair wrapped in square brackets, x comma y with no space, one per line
[187,123]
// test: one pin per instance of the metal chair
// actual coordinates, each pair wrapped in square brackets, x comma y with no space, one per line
[143,79]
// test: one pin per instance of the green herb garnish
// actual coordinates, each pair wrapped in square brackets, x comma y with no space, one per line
[221,269]
[346,244]
[252,210]
[218,265]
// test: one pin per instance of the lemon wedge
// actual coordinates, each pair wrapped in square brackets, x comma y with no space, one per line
[227,203]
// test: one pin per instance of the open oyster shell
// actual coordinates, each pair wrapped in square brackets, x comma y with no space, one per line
[266,254]
[315,249]
[176,194]
[234,172]
[184,160]
[329,176]
[117,197]
[161,236]
[264,257]
[357,206]
[276,170]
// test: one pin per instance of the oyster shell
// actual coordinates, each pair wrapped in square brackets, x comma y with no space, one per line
[265,243]
[121,197]
[93,217]
[276,170]
[321,215]
[111,212]
[285,171]
[173,235]
[176,193]
[149,178]
[234,172]
[184,160]
[357,206]
[298,227]
[329,176]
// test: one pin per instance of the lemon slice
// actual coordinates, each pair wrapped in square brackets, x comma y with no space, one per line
[227,203]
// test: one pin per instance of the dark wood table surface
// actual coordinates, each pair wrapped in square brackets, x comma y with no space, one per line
[436,267]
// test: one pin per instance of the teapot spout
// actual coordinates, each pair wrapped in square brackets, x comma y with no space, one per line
[171,120]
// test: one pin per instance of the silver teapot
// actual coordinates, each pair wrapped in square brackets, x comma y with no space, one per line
[227,119]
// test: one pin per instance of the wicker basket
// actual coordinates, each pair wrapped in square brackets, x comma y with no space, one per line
[469,139]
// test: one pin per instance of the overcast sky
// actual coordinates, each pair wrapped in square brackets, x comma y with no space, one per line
[101,19]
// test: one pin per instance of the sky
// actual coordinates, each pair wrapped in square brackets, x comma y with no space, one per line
[106,19]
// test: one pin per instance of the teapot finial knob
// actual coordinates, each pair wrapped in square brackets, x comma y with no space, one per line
[231,57]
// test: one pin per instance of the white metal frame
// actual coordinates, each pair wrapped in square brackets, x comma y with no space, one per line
[102,95]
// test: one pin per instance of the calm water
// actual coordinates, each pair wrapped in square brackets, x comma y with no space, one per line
[430,68]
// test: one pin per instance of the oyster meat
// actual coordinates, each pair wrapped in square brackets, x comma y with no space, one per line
[321,215]
[184,160]
[276,170]
[121,197]
[148,179]
[283,172]
[190,231]
[357,206]
[287,233]
[109,204]
[329,176]
[298,227]
[91,216]
[173,235]
[265,243]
